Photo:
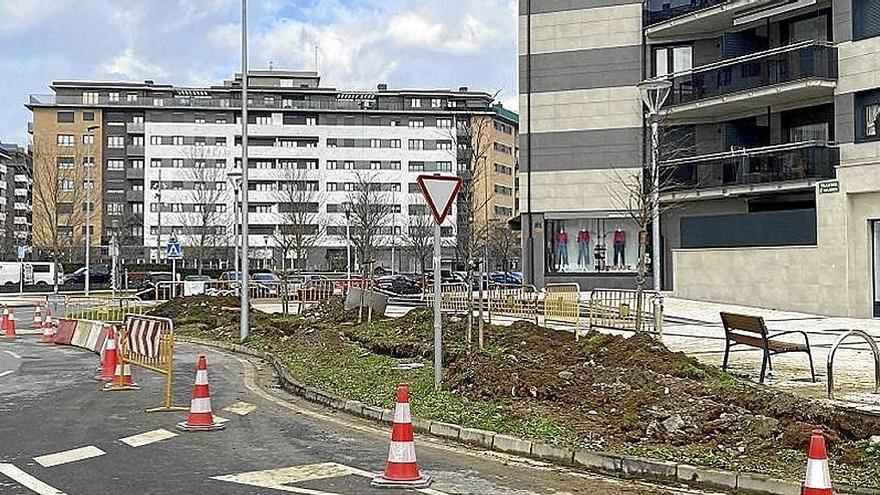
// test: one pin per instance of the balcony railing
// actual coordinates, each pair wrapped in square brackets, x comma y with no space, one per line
[808,160]
[657,11]
[806,60]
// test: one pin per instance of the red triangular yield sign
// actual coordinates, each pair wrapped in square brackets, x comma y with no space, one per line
[439,192]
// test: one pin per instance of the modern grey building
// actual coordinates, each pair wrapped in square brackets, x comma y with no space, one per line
[168,154]
[769,144]
[16,205]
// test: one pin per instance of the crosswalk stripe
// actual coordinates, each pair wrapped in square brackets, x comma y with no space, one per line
[28,481]
[73,455]
[147,438]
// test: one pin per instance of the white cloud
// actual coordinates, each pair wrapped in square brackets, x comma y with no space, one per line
[412,29]
[18,15]
[128,66]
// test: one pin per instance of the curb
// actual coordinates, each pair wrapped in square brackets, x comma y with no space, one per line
[620,466]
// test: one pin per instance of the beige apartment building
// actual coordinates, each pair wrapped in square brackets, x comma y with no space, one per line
[496,183]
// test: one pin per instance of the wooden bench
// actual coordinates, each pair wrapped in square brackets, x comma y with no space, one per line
[752,331]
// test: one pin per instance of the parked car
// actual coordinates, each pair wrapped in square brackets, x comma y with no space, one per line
[230,276]
[267,284]
[98,274]
[35,273]
[147,289]
[398,284]
[505,278]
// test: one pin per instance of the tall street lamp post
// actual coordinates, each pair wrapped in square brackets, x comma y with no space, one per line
[654,94]
[244,328]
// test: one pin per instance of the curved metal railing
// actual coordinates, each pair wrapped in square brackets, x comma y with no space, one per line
[874,349]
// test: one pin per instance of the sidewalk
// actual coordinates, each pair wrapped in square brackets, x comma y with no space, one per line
[694,327]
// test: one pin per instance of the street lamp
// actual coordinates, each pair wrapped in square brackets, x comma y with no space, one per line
[654,93]
[244,324]
[89,185]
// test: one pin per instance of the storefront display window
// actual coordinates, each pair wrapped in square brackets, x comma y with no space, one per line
[591,245]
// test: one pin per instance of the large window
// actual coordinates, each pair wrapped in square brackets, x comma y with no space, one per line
[672,59]
[866,18]
[867,118]
[591,245]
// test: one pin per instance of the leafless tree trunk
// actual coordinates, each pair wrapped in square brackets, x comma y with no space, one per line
[206,223]
[418,239]
[371,209]
[300,224]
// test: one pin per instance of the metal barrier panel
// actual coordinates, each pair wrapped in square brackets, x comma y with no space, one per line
[106,309]
[454,298]
[562,303]
[64,334]
[148,342]
[517,301]
[617,309]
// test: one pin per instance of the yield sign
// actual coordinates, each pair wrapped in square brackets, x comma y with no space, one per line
[439,192]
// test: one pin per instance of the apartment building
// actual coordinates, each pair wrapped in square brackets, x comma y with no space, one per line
[171,161]
[18,173]
[769,140]
[497,185]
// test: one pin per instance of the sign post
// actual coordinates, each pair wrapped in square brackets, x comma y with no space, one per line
[22,251]
[439,192]
[173,252]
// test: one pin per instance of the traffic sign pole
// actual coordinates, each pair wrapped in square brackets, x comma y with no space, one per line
[438,322]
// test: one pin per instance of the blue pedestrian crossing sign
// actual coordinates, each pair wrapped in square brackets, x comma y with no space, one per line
[173,250]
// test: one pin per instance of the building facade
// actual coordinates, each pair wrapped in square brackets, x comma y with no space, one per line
[171,163]
[18,173]
[769,139]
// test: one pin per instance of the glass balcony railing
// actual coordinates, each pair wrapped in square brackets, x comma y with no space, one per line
[779,163]
[806,60]
[657,11]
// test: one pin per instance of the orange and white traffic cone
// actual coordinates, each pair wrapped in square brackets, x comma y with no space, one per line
[122,378]
[38,316]
[402,469]
[201,417]
[110,359]
[818,480]
[8,324]
[48,328]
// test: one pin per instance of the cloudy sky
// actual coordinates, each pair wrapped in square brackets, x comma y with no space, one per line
[406,43]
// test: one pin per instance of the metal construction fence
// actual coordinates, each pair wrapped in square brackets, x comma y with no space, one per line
[148,342]
[106,309]
[454,297]
[619,309]
[515,301]
[562,304]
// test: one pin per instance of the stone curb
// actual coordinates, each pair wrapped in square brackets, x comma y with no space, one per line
[601,462]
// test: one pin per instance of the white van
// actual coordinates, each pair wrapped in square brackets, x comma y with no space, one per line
[35,273]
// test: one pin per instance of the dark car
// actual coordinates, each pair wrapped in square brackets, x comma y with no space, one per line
[398,284]
[99,274]
[147,290]
[505,278]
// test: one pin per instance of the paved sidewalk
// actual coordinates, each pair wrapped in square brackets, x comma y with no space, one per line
[694,327]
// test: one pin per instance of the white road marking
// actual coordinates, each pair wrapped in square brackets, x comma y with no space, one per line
[218,419]
[28,481]
[147,438]
[241,408]
[7,372]
[16,356]
[281,479]
[74,455]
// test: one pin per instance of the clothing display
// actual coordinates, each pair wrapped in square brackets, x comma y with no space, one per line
[619,248]
[562,248]
[584,248]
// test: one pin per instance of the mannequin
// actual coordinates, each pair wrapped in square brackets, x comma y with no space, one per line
[583,248]
[619,247]
[562,247]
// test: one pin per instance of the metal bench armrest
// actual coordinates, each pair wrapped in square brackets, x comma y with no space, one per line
[790,332]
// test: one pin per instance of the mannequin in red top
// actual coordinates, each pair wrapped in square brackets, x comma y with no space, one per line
[584,248]
[619,248]
[562,248]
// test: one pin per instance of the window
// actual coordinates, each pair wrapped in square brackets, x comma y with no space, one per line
[115,164]
[137,140]
[375,165]
[416,123]
[115,209]
[137,208]
[444,145]
[116,141]
[416,103]
[156,163]
[672,59]
[264,120]
[88,139]
[199,141]
[394,166]
[131,97]
[90,98]
[348,165]
[394,123]
[155,140]
[444,166]
[65,140]
[444,123]
[375,143]
[395,143]
[137,164]
[65,117]
[311,120]
[436,103]
[89,161]
[158,102]
[221,119]
[269,101]
[113,97]
[64,208]
[177,140]
[867,116]
[89,116]
[65,184]
[416,166]
[65,162]
[332,164]
[137,119]
[503,148]
[503,169]
[503,190]
[865,19]
[199,120]
[416,144]
[177,163]
[503,211]
[88,184]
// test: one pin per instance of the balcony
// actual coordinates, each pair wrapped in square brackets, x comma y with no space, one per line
[134,127]
[134,173]
[780,76]
[771,168]
[690,18]
[134,196]
[134,150]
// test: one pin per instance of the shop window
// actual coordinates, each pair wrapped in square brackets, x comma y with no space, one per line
[866,19]
[867,109]
[591,245]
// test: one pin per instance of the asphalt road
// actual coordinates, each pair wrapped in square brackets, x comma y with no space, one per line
[50,405]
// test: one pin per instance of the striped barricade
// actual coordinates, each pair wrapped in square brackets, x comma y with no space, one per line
[64,334]
[148,342]
[81,334]
[562,303]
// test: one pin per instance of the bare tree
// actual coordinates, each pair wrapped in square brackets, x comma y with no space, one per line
[418,239]
[504,244]
[300,224]
[370,212]
[59,196]
[204,222]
